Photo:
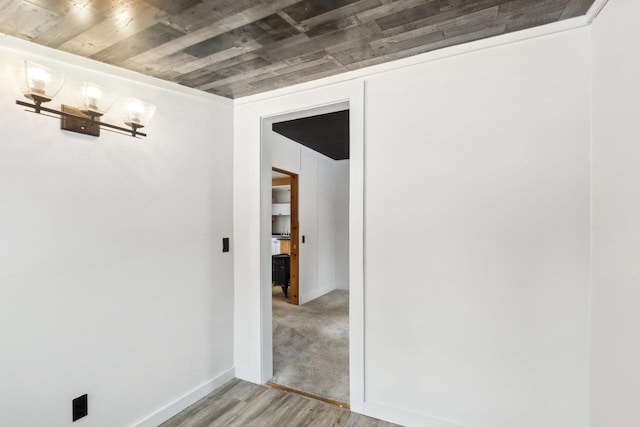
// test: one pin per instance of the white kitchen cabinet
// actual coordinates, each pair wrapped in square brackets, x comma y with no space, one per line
[281,209]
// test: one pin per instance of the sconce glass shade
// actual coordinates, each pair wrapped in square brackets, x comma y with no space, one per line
[37,82]
[91,99]
[137,113]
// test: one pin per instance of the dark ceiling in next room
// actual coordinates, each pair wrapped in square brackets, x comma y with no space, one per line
[236,48]
[327,134]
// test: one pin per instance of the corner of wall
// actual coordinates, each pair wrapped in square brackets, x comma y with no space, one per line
[595,10]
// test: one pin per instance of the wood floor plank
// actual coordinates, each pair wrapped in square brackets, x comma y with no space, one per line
[242,404]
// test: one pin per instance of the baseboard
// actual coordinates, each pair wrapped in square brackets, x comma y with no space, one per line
[403,418]
[187,400]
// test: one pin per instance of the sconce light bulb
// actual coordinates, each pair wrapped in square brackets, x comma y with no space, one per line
[136,109]
[92,99]
[37,82]
[137,113]
[38,79]
[93,96]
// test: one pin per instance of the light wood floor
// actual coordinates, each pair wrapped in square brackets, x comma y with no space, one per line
[242,404]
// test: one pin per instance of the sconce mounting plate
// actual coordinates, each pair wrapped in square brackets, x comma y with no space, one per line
[76,125]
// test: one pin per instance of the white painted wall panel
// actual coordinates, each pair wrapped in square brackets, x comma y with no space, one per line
[477,236]
[250,308]
[326,235]
[112,277]
[285,153]
[615,347]
[477,302]
[308,196]
[342,224]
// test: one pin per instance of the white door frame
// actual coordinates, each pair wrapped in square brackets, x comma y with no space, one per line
[253,346]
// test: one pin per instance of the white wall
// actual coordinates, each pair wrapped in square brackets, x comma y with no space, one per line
[616,217]
[477,305]
[112,278]
[342,224]
[326,236]
[319,207]
[477,250]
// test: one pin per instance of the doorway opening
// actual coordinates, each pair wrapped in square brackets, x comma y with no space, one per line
[284,233]
[310,242]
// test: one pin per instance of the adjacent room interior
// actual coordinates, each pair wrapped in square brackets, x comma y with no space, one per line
[310,229]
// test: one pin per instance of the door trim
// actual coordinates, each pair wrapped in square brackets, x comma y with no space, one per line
[253,340]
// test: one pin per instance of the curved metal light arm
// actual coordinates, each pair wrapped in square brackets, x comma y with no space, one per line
[134,131]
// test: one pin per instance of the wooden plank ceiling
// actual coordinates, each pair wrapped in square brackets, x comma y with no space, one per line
[237,48]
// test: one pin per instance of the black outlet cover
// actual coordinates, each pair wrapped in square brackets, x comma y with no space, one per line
[80,407]
[225,244]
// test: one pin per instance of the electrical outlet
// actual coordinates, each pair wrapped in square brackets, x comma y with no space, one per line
[80,407]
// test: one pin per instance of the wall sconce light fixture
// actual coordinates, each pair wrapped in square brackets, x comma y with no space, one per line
[41,84]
